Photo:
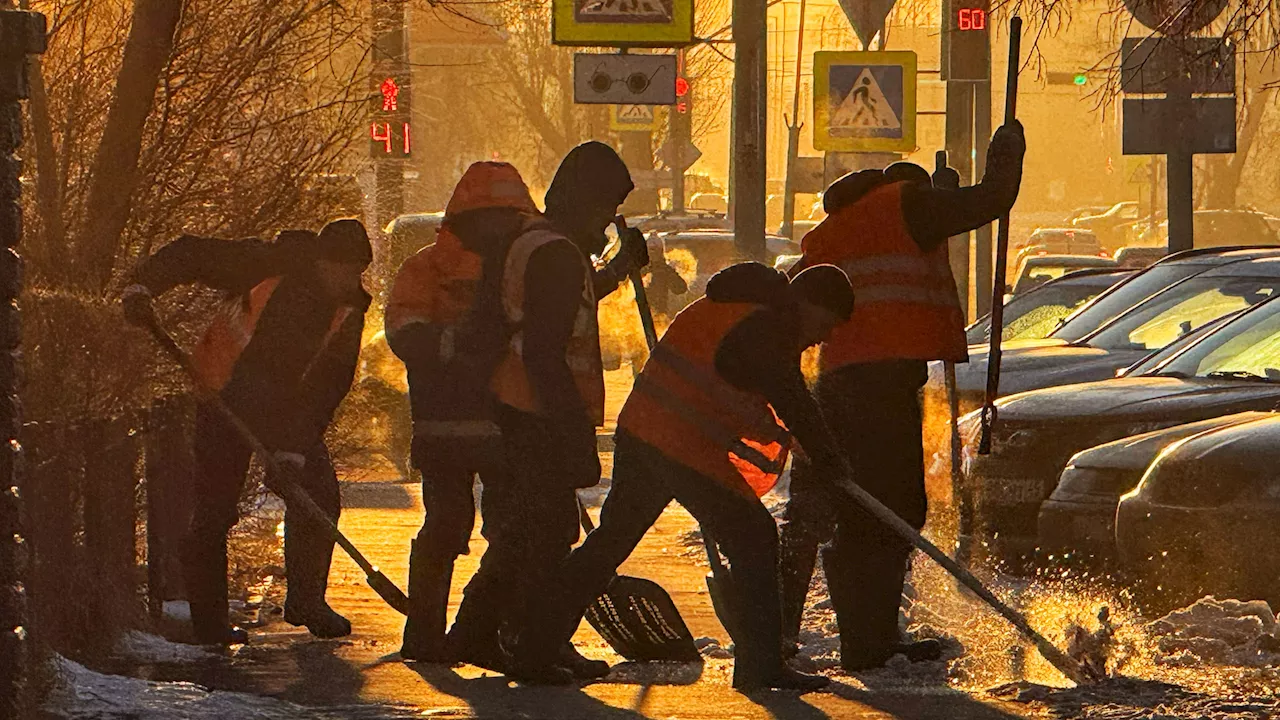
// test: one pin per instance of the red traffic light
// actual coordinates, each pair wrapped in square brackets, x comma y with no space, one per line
[682,87]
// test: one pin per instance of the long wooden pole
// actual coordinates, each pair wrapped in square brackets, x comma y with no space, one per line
[1002,253]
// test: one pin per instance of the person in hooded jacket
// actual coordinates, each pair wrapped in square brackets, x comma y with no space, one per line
[888,230]
[282,354]
[444,321]
[709,424]
[550,394]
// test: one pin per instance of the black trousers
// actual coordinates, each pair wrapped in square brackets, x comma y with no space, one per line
[644,483]
[874,412]
[222,462]
[530,520]
[448,500]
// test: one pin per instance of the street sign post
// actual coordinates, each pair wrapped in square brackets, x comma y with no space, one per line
[624,79]
[625,118]
[864,101]
[836,165]
[1179,125]
[622,23]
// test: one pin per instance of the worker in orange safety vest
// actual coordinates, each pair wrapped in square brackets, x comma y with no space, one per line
[709,424]
[445,321]
[282,354]
[888,230]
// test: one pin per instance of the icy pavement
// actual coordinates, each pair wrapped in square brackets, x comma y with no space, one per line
[81,693]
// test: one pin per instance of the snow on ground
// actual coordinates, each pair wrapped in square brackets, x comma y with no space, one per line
[146,648]
[1218,632]
[82,694]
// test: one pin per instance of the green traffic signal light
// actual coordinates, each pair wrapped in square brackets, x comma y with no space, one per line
[1080,79]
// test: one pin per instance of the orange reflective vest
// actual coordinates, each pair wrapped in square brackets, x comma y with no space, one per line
[905,302]
[511,383]
[682,408]
[218,351]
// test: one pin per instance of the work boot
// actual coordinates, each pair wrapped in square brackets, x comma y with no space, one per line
[583,668]
[797,555]
[538,674]
[926,650]
[307,553]
[424,631]
[783,679]
[486,653]
[204,570]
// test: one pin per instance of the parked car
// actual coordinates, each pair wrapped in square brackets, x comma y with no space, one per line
[710,201]
[690,219]
[1056,241]
[1077,524]
[1036,313]
[1218,228]
[1109,333]
[1037,270]
[714,250]
[1140,257]
[1205,520]
[1233,369]
[1109,225]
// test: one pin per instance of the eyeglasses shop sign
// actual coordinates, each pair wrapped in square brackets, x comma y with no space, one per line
[630,79]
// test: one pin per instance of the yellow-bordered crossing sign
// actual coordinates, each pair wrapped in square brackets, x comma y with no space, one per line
[622,23]
[644,118]
[864,101]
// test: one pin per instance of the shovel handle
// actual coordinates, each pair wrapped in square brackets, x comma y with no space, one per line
[280,483]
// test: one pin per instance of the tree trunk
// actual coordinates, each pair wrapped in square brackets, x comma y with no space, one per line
[53,228]
[115,167]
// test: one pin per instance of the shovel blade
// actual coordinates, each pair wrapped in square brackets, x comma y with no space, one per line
[639,620]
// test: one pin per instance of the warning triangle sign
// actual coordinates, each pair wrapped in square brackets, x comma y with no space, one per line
[635,113]
[649,9]
[865,107]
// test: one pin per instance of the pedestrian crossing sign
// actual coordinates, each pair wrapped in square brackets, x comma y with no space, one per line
[643,118]
[622,23]
[864,101]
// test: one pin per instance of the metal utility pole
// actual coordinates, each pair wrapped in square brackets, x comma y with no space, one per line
[983,253]
[793,136]
[21,34]
[680,135]
[959,145]
[391,137]
[750,116]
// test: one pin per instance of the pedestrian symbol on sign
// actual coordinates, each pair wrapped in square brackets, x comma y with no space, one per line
[865,109]
[864,101]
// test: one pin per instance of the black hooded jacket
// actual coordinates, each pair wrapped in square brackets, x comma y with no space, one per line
[285,384]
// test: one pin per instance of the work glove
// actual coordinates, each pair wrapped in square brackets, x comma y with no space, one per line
[136,301]
[1007,148]
[633,252]
[286,464]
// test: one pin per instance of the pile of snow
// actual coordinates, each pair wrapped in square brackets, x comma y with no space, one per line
[83,694]
[1132,699]
[710,647]
[147,648]
[1217,632]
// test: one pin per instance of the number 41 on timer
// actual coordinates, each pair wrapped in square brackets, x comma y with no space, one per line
[381,132]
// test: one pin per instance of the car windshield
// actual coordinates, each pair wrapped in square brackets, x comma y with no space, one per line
[1111,305]
[1034,315]
[1180,310]
[1247,348]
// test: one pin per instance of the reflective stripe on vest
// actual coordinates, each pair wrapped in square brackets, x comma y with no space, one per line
[511,385]
[683,408]
[905,302]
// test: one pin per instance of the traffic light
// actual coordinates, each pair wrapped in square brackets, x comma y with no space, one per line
[968,40]
[682,95]
[1079,79]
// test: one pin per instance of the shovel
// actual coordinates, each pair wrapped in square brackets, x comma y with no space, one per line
[294,496]
[638,618]
[720,579]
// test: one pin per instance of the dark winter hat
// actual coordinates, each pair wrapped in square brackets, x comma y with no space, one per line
[591,171]
[850,189]
[907,172]
[345,241]
[748,282]
[825,286]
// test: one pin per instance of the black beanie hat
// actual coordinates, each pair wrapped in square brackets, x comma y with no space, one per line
[907,172]
[850,189]
[590,170]
[825,286]
[345,241]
